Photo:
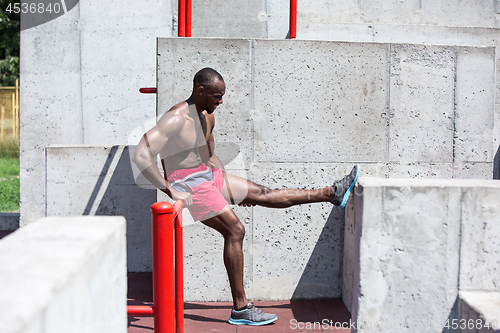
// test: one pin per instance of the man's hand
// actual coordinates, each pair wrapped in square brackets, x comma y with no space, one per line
[184,196]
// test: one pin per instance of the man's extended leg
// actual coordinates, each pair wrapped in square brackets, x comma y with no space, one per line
[242,191]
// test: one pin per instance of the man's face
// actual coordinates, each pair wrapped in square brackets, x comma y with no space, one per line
[213,95]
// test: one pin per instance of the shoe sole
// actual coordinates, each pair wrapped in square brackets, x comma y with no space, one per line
[249,322]
[348,192]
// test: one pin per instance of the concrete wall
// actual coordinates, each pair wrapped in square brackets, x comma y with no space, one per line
[64,274]
[302,112]
[395,109]
[80,75]
[413,244]
[419,110]
[80,72]
[106,186]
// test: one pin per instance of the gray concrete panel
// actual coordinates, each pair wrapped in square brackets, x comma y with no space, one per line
[50,103]
[421,114]
[229,19]
[396,276]
[106,186]
[178,62]
[475,91]
[297,250]
[315,101]
[420,170]
[470,13]
[480,249]
[117,52]
[473,170]
[279,17]
[397,33]
[402,222]
[391,11]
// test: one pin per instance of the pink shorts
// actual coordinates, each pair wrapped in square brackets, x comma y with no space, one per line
[204,184]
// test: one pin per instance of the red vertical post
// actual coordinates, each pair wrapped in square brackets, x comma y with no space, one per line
[293,19]
[188,18]
[182,18]
[179,281]
[163,267]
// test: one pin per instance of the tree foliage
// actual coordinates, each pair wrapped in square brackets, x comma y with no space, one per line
[10,26]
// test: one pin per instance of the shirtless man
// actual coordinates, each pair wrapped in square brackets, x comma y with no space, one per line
[183,137]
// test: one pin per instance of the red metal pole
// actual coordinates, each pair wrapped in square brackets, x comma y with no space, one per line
[163,267]
[179,283]
[182,18]
[188,18]
[293,19]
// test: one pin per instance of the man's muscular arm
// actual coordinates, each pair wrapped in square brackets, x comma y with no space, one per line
[150,145]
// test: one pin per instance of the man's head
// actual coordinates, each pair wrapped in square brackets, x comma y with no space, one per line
[208,89]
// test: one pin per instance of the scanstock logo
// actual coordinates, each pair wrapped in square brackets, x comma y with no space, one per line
[36,12]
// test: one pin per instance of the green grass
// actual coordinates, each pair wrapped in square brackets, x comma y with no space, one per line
[9,148]
[9,176]
[9,195]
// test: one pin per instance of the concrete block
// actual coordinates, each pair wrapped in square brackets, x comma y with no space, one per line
[392,11]
[297,251]
[64,274]
[473,170]
[421,103]
[352,235]
[473,13]
[178,62]
[50,102]
[397,33]
[234,19]
[117,52]
[104,187]
[475,91]
[314,101]
[397,281]
[480,246]
[9,221]
[279,18]
[405,169]
[479,311]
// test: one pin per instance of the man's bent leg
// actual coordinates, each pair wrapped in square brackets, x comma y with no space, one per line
[243,312]
[233,231]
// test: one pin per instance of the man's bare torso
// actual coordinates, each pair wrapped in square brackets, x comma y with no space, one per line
[189,147]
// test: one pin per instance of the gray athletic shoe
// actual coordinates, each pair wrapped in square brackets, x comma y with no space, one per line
[344,187]
[251,316]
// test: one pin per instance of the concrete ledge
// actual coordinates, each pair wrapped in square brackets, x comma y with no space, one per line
[411,245]
[479,308]
[9,221]
[64,274]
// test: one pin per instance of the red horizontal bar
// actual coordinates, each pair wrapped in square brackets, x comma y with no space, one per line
[147,90]
[140,310]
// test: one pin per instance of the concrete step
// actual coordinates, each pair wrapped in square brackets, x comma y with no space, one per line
[479,311]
